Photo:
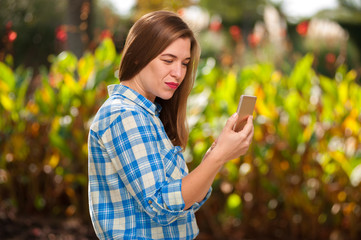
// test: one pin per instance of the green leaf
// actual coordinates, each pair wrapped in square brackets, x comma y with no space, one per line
[105,54]
[232,171]
[234,201]
[6,102]
[329,87]
[24,80]
[60,143]
[66,62]
[7,78]
[301,74]
[86,68]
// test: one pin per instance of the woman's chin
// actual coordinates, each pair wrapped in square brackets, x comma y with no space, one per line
[166,96]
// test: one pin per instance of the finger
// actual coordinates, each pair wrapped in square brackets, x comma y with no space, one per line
[250,135]
[231,121]
[213,144]
[248,128]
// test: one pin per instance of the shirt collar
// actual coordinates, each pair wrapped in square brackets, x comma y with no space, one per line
[134,96]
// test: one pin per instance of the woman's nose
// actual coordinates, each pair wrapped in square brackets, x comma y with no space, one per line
[177,71]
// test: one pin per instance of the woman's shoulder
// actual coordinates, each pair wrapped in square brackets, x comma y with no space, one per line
[117,110]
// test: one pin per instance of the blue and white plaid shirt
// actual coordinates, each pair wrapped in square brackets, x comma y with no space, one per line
[135,173]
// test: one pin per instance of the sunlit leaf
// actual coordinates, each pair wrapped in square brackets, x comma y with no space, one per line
[329,87]
[232,171]
[234,201]
[7,78]
[292,103]
[350,76]
[307,133]
[6,102]
[342,160]
[343,92]
[265,110]
[54,160]
[105,53]
[72,84]
[86,67]
[352,123]
[200,148]
[328,107]
[66,62]
[301,74]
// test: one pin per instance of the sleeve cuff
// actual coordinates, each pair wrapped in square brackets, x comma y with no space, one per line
[166,205]
[195,207]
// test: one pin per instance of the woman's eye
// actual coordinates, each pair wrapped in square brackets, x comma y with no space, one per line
[168,61]
[185,64]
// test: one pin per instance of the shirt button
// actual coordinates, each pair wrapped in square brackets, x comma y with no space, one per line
[150,202]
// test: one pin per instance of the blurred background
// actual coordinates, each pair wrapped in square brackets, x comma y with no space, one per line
[301,177]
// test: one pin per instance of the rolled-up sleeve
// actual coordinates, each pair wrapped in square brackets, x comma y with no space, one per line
[144,167]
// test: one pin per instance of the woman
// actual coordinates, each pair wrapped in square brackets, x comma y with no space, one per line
[139,185]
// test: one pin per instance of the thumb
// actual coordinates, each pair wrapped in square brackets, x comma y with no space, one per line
[231,121]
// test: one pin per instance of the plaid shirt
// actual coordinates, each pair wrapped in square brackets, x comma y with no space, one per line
[135,173]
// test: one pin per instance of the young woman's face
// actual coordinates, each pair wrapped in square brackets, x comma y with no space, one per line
[164,74]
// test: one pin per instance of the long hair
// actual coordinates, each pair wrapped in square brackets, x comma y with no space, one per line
[149,37]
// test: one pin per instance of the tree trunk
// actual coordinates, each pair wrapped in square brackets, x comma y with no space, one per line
[78,25]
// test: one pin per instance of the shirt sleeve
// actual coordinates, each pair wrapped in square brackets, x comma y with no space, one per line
[132,143]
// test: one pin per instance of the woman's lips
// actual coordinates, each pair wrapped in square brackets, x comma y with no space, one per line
[172,85]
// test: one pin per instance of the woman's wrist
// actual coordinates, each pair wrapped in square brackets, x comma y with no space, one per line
[214,157]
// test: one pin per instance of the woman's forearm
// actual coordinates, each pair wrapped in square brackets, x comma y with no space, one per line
[197,183]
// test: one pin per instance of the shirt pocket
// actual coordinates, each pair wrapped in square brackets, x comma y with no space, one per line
[175,166]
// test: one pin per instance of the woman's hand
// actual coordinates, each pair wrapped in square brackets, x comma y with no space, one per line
[230,144]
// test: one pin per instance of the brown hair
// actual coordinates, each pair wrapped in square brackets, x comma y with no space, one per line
[149,37]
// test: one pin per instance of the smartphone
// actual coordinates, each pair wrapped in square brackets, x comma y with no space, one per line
[245,108]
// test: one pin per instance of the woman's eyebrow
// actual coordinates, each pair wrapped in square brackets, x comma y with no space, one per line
[172,56]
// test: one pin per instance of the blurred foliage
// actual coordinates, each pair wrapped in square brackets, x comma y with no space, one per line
[299,180]
[43,131]
[34,22]
[301,177]
[31,30]
[351,4]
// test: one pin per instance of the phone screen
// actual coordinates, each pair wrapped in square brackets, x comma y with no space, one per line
[245,108]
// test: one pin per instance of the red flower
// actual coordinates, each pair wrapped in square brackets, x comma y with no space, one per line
[235,32]
[302,28]
[12,36]
[253,40]
[105,34]
[330,58]
[181,12]
[61,34]
[215,26]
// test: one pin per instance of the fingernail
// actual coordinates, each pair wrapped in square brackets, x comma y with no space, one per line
[234,115]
